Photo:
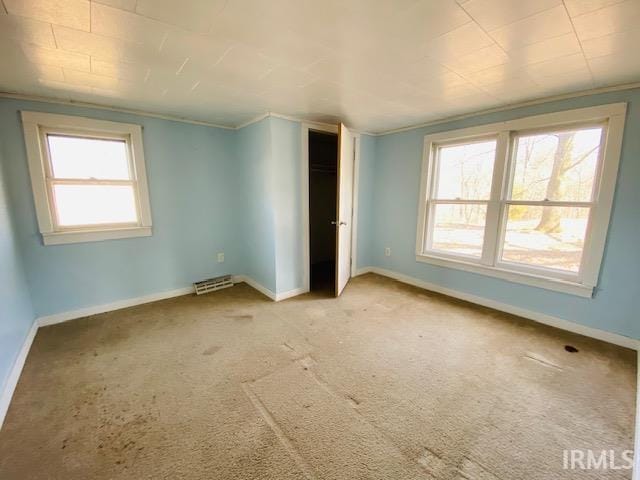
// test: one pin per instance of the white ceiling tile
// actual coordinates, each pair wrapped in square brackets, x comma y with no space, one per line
[535,28]
[481,59]
[129,5]
[614,18]
[557,66]
[194,15]
[113,22]
[292,49]
[578,7]
[424,21]
[203,51]
[56,57]
[617,43]
[461,41]
[378,64]
[492,14]
[60,87]
[134,72]
[575,81]
[92,80]
[18,70]
[498,74]
[69,13]
[615,69]
[102,47]
[243,60]
[48,72]
[513,89]
[27,30]
[546,50]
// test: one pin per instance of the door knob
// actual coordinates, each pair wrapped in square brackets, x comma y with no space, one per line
[335,222]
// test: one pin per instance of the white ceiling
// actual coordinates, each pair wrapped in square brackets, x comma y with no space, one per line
[375,64]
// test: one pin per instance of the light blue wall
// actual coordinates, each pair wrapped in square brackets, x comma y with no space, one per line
[16,312]
[366,214]
[397,162]
[254,197]
[286,150]
[193,180]
[269,152]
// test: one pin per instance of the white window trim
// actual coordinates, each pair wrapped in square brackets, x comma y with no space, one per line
[34,125]
[584,283]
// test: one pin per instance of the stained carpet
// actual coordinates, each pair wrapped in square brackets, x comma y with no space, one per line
[386,382]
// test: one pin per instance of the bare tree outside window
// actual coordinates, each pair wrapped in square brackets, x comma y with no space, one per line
[559,168]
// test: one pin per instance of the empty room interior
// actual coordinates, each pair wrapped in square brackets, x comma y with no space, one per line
[304,239]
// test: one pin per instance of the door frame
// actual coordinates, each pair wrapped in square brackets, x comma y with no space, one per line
[304,197]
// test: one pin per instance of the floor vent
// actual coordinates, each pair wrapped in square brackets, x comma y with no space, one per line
[213,284]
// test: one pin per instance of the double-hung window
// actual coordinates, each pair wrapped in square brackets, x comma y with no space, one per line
[526,200]
[88,178]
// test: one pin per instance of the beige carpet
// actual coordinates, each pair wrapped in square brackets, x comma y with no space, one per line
[387,382]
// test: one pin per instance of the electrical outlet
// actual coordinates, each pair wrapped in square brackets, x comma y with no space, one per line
[387,252]
[221,257]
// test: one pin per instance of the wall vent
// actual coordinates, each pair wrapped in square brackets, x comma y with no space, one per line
[213,284]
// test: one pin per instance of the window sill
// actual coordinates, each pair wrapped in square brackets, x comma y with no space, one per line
[82,236]
[547,283]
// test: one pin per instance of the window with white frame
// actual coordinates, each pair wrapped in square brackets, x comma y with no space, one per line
[526,200]
[88,178]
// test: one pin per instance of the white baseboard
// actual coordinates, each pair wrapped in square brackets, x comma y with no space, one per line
[276,297]
[636,446]
[154,297]
[252,283]
[504,307]
[14,376]
[109,307]
[291,293]
[362,271]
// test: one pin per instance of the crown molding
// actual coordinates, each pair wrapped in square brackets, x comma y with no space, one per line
[96,106]
[512,106]
[438,121]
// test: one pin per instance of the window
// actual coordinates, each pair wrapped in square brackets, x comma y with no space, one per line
[88,178]
[526,200]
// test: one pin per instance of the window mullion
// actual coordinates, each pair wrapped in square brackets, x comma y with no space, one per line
[494,208]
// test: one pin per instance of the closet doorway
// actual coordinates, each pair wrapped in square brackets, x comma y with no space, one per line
[323,196]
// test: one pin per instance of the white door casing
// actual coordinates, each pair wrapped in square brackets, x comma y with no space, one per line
[344,208]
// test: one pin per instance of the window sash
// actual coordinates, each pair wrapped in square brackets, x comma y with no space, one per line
[436,160]
[538,269]
[514,136]
[428,245]
[500,200]
[51,180]
[71,133]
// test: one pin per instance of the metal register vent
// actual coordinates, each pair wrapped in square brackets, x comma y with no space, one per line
[213,284]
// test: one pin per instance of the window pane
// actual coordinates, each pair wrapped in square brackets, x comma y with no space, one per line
[78,157]
[465,171]
[459,229]
[94,204]
[551,237]
[556,166]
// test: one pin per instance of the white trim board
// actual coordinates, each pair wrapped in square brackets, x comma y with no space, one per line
[636,444]
[556,322]
[154,297]
[512,106]
[12,380]
[109,307]
[291,293]
[437,121]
